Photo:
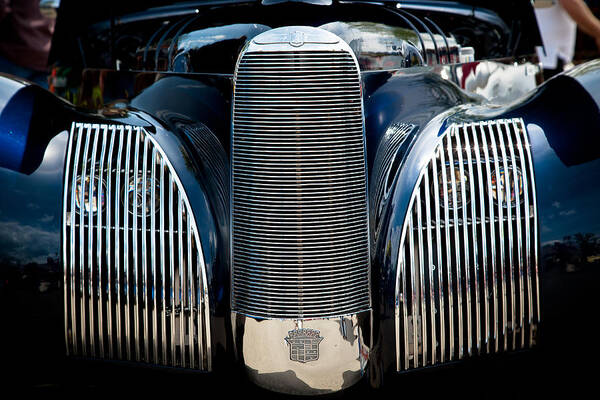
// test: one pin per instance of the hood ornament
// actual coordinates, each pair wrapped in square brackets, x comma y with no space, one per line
[304,344]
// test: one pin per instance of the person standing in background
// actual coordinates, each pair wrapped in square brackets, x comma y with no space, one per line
[26,28]
[558,21]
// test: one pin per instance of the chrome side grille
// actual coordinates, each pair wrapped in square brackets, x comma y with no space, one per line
[381,176]
[214,159]
[468,278]
[299,208]
[134,275]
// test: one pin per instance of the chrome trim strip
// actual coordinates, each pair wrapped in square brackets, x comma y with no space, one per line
[422,313]
[490,208]
[153,258]
[72,239]
[65,263]
[457,253]
[101,195]
[90,256]
[440,264]
[413,298]
[477,308]
[402,269]
[484,253]
[118,243]
[535,223]
[180,299]
[145,250]
[502,276]
[431,267]
[465,232]
[448,262]
[172,273]
[163,275]
[126,212]
[525,171]
[109,242]
[82,253]
[507,196]
[134,243]
[516,187]
[190,294]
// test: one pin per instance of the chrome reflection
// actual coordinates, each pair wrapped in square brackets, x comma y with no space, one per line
[507,183]
[139,193]
[461,179]
[303,357]
[83,190]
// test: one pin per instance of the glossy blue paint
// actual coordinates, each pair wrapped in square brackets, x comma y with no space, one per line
[563,121]
[16,106]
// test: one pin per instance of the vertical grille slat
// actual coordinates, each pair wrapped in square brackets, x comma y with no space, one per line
[492,235]
[99,243]
[466,267]
[134,244]
[420,287]
[123,298]
[430,247]
[508,276]
[477,187]
[163,298]
[181,290]
[296,143]
[146,307]
[484,245]
[502,263]
[438,266]
[476,337]
[109,242]
[90,244]
[65,250]
[153,257]
[82,252]
[126,250]
[519,255]
[526,176]
[171,288]
[117,277]
[457,257]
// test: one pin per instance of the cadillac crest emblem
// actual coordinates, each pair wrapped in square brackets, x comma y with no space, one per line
[304,344]
[297,38]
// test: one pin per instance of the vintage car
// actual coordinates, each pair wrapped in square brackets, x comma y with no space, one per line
[314,192]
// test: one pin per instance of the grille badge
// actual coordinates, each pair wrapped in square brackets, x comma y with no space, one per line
[297,38]
[304,344]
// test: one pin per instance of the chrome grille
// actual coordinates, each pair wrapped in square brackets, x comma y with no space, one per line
[213,158]
[134,275]
[385,158]
[468,278]
[299,207]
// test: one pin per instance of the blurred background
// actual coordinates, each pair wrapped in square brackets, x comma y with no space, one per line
[27,27]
